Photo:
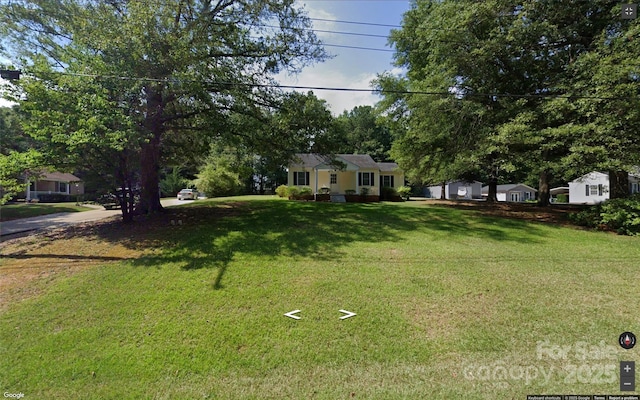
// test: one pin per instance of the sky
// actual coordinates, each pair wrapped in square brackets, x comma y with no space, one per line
[349,68]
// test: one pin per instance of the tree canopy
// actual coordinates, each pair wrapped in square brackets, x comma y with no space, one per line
[532,88]
[147,79]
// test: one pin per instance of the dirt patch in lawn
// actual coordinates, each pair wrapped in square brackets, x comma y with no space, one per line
[554,214]
[30,260]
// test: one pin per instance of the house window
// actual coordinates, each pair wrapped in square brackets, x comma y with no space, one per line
[635,188]
[365,179]
[594,190]
[387,181]
[301,178]
[334,179]
[62,187]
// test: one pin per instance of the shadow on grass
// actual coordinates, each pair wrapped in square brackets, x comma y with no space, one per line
[214,233]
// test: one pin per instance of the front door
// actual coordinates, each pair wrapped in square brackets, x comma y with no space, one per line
[334,182]
[515,197]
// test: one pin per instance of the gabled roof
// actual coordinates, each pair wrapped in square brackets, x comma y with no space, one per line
[313,160]
[388,166]
[58,177]
[591,175]
[508,187]
[361,160]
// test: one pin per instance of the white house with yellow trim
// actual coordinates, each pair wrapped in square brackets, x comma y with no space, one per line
[343,172]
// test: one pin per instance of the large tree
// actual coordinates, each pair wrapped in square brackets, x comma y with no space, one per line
[169,70]
[515,66]
[362,132]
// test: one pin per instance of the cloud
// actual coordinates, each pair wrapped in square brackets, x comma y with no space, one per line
[326,76]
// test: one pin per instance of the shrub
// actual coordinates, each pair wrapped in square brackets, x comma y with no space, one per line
[562,198]
[55,198]
[282,191]
[218,181]
[388,193]
[293,192]
[349,192]
[620,215]
[324,190]
[404,192]
[305,191]
[364,191]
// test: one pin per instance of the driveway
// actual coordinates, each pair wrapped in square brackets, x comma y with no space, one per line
[61,219]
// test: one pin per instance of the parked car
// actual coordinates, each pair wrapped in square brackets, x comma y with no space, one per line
[111,201]
[185,194]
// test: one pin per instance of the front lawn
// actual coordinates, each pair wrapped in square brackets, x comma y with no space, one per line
[449,303]
[26,210]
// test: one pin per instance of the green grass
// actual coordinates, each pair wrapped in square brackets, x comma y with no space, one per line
[26,210]
[446,301]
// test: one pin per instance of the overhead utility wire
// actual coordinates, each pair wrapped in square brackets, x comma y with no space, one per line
[343,89]
[354,22]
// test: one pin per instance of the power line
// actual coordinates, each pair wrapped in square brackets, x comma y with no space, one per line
[327,31]
[343,89]
[357,47]
[354,22]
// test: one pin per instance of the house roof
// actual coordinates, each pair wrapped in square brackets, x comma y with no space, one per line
[58,177]
[559,190]
[591,175]
[508,187]
[388,166]
[634,172]
[360,160]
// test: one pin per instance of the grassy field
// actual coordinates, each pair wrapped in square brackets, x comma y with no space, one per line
[25,210]
[449,303]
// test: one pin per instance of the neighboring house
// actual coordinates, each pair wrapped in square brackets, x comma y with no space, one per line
[512,192]
[55,183]
[593,188]
[455,190]
[347,172]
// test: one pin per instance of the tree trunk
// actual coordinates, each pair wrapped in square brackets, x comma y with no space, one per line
[150,177]
[150,154]
[543,189]
[618,184]
[492,195]
[443,190]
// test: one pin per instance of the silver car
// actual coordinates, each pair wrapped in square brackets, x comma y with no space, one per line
[185,194]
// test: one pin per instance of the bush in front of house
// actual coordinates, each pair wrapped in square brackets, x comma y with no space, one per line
[620,215]
[404,192]
[293,192]
[282,191]
[305,191]
[364,191]
[55,198]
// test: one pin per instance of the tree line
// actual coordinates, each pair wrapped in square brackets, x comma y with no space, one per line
[535,91]
[139,93]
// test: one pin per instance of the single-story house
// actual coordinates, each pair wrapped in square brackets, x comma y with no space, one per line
[455,190]
[344,172]
[512,192]
[54,183]
[593,188]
